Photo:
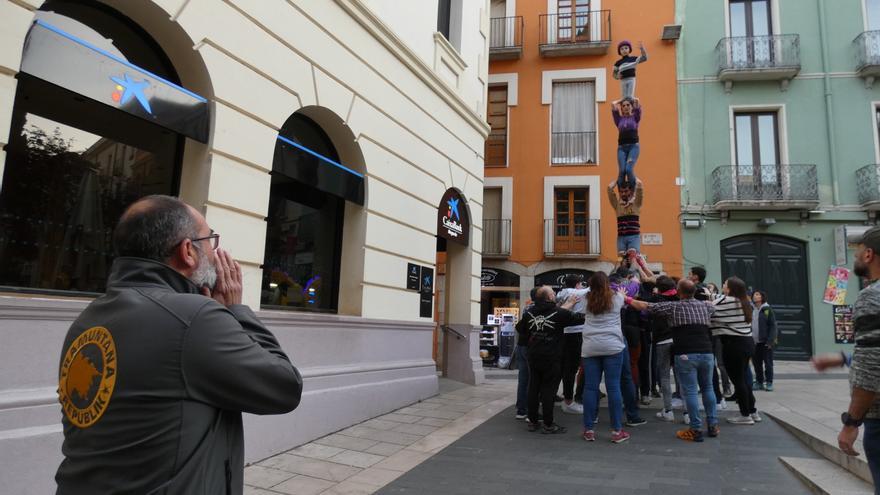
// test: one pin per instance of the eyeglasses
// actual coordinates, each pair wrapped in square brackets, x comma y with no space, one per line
[215,240]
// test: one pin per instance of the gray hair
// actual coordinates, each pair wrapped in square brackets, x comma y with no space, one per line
[152,227]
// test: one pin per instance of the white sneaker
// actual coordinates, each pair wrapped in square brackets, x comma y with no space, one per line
[667,416]
[756,417]
[521,416]
[686,419]
[741,420]
[646,400]
[723,405]
[677,403]
[573,408]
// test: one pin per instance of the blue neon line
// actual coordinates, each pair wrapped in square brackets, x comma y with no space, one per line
[121,61]
[319,156]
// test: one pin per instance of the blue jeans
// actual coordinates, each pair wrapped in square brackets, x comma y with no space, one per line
[628,388]
[871,439]
[594,367]
[627,156]
[695,370]
[522,381]
[625,242]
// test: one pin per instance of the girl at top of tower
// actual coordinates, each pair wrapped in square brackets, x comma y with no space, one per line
[625,68]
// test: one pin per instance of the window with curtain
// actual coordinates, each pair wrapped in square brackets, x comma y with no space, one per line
[573,125]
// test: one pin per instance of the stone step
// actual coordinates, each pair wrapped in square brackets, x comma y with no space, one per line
[823,441]
[823,477]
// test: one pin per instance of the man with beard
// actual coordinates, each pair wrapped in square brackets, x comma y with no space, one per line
[154,374]
[864,375]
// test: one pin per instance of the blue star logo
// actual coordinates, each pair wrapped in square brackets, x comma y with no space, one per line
[453,208]
[132,89]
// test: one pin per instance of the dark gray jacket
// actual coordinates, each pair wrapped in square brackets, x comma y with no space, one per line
[153,380]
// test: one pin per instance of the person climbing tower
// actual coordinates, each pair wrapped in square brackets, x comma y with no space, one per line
[627,208]
[625,67]
[627,114]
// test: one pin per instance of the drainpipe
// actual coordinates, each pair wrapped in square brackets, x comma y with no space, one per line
[829,109]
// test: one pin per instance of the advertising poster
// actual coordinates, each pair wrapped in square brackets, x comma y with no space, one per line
[835,289]
[843,325]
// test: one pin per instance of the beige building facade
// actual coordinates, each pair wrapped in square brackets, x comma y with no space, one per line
[332,130]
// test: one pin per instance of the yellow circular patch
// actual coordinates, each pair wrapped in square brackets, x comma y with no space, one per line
[88,375]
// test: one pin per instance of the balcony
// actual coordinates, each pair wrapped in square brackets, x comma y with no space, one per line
[571,240]
[758,58]
[505,38]
[867,52]
[573,148]
[868,185]
[765,187]
[496,238]
[578,33]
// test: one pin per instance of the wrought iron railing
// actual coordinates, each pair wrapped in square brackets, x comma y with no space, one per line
[576,27]
[568,148]
[577,238]
[867,49]
[496,237]
[868,183]
[759,52]
[762,183]
[505,32]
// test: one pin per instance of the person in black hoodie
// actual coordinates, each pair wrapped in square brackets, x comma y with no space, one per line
[542,326]
[662,335]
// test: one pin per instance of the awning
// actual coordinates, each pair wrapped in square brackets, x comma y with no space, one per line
[313,169]
[63,59]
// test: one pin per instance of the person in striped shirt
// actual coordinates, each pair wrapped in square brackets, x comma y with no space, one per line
[627,207]
[732,322]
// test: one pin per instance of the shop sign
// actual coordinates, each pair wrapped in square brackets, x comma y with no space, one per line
[496,277]
[556,278]
[65,60]
[413,276]
[426,294]
[453,223]
[652,239]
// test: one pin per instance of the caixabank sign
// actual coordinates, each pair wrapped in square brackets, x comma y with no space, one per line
[454,224]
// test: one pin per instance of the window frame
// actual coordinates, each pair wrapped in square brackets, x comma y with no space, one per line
[504,162]
[574,244]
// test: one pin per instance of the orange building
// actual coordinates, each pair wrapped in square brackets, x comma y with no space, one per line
[553,147]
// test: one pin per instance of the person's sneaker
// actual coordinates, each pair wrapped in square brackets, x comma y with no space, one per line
[690,435]
[619,436]
[768,387]
[686,419]
[667,416]
[532,426]
[635,422]
[713,431]
[646,400]
[573,408]
[723,404]
[757,386]
[553,429]
[589,435]
[741,420]
[756,417]
[521,416]
[677,403]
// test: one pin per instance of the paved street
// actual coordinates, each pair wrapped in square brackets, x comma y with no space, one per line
[465,440]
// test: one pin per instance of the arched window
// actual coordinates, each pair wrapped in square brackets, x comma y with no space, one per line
[98,121]
[301,265]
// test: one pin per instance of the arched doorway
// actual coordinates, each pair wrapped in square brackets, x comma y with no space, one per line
[99,120]
[777,265]
[310,190]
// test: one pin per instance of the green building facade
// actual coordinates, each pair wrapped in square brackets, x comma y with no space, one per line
[778,118]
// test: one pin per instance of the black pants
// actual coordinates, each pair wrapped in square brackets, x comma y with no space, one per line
[645,381]
[737,351]
[571,361]
[543,383]
[763,362]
